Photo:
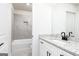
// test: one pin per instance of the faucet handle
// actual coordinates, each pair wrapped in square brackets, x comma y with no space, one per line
[70,33]
[63,34]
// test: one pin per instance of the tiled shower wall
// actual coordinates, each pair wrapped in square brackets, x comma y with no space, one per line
[22,26]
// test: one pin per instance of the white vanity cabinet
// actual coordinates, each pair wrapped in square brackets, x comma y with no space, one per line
[47,49]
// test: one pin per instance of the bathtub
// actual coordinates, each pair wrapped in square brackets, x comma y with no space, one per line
[22,47]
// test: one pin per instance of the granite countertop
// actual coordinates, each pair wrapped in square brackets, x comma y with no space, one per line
[69,46]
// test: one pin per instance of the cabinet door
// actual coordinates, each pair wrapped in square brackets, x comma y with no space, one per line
[51,49]
[55,51]
[63,53]
[43,48]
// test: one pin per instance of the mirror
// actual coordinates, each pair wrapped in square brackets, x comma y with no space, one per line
[65,18]
[70,22]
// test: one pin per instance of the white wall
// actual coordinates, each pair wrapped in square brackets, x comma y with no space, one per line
[77,23]
[44,16]
[41,24]
[5,27]
[59,16]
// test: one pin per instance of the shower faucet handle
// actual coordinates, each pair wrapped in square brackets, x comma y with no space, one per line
[25,21]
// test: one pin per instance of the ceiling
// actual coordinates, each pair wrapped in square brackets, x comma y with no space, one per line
[22,6]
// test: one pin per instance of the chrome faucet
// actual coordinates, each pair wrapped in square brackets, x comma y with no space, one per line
[70,33]
[63,36]
[62,33]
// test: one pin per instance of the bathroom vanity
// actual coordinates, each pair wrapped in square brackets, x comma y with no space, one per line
[55,46]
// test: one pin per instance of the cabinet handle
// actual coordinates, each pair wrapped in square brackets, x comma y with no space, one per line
[48,54]
[61,55]
[42,42]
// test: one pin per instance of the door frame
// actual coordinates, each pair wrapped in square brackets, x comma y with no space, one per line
[12,19]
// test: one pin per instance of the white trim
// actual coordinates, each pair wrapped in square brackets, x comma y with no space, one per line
[10,40]
[22,41]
